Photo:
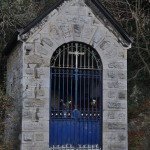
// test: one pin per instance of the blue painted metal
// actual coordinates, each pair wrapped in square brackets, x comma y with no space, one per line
[76,99]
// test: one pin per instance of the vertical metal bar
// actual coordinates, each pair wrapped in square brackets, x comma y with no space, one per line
[101,104]
[63,56]
[50,106]
[67,92]
[88,58]
[85,57]
[80,56]
[54,100]
[68,56]
[80,91]
[96,103]
[92,105]
[84,112]
[72,55]
[92,59]
[59,57]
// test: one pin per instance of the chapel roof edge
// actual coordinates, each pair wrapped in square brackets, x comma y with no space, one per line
[13,41]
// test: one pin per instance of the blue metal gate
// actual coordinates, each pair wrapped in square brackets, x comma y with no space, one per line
[76,99]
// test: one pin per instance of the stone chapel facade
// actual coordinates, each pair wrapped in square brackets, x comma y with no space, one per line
[33,61]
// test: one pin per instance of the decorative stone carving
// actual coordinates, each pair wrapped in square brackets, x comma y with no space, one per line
[121,75]
[28,47]
[77,30]
[98,37]
[111,115]
[66,30]
[122,95]
[121,55]
[54,32]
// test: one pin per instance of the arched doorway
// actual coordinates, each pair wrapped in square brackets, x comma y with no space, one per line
[76,97]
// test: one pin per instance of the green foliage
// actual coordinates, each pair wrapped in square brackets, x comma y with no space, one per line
[5,104]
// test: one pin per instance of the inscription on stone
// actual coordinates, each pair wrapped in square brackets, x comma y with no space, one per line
[34,103]
[120,116]
[47,42]
[105,45]
[116,65]
[33,126]
[111,74]
[116,126]
[33,59]
[112,94]
[65,30]
[116,147]
[28,137]
[27,114]
[39,137]
[116,105]
[115,85]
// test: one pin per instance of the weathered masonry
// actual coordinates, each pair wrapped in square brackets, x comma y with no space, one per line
[68,71]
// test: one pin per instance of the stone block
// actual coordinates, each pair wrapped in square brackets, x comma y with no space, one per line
[112,137]
[36,146]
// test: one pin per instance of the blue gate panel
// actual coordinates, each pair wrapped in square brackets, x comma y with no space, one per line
[64,132]
[76,97]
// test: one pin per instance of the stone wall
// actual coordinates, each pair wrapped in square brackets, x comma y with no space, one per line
[14,91]
[73,21]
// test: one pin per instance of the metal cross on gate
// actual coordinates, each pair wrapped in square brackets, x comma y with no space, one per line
[76,53]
